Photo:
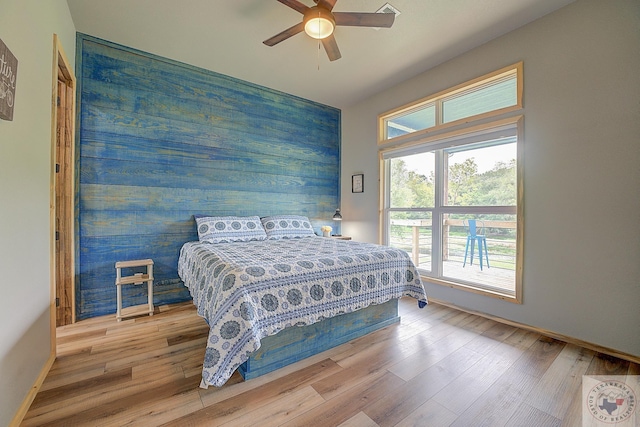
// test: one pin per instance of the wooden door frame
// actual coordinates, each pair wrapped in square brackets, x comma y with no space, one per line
[61,70]
[60,65]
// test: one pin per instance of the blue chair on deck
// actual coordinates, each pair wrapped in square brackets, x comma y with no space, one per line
[472,238]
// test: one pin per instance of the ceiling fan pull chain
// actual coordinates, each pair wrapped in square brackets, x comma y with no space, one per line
[319,40]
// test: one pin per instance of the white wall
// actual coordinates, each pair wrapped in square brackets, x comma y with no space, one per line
[27,28]
[582,173]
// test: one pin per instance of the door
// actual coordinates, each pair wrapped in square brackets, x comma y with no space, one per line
[64,191]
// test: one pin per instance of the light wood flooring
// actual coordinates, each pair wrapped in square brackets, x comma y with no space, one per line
[437,367]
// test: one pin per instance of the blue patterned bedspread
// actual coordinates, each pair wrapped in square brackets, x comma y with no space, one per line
[249,290]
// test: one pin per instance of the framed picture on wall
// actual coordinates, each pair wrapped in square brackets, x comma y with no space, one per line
[357,183]
[8,73]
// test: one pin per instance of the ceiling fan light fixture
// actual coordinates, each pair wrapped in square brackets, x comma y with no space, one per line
[318,23]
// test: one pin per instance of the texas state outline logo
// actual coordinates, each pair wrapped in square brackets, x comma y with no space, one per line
[609,401]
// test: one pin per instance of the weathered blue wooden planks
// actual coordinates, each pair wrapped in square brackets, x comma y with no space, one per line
[148,174]
[198,156]
[160,141]
[168,94]
[122,197]
[107,122]
[296,343]
[224,94]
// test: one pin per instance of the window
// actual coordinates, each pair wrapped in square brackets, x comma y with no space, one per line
[439,190]
[493,94]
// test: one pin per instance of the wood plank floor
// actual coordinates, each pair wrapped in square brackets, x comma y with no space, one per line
[438,367]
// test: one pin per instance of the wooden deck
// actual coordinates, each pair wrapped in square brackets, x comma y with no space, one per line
[495,277]
[500,278]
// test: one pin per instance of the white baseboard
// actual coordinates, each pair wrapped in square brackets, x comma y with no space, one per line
[33,391]
[545,332]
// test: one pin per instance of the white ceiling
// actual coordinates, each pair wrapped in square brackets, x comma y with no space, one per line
[226,36]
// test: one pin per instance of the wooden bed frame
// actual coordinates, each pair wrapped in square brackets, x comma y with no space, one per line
[296,343]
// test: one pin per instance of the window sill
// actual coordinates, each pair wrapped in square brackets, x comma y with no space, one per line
[505,296]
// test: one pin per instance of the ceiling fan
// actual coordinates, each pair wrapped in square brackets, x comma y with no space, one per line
[319,22]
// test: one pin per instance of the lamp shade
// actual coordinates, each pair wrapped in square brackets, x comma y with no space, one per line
[318,23]
[337,216]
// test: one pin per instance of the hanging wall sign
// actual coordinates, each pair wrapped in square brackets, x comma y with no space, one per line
[8,72]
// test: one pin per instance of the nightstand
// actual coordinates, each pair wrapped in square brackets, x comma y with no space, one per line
[136,279]
[341,237]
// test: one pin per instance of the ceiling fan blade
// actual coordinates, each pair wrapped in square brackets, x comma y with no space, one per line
[354,19]
[327,4]
[289,32]
[331,47]
[295,5]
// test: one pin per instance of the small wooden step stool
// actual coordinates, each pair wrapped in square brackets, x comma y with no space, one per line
[136,279]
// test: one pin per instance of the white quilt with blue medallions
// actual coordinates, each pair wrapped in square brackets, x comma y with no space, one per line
[249,290]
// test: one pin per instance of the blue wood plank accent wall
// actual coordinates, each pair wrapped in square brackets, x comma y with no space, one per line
[160,141]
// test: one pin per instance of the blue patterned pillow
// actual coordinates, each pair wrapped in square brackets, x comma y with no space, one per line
[225,229]
[287,227]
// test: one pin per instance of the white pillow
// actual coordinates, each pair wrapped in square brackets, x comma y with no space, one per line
[287,227]
[226,229]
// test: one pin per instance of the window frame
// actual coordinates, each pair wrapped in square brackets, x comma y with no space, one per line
[438,142]
[438,98]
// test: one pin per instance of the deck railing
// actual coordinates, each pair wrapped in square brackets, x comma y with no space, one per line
[416,240]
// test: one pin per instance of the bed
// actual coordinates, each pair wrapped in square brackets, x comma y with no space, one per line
[250,290]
